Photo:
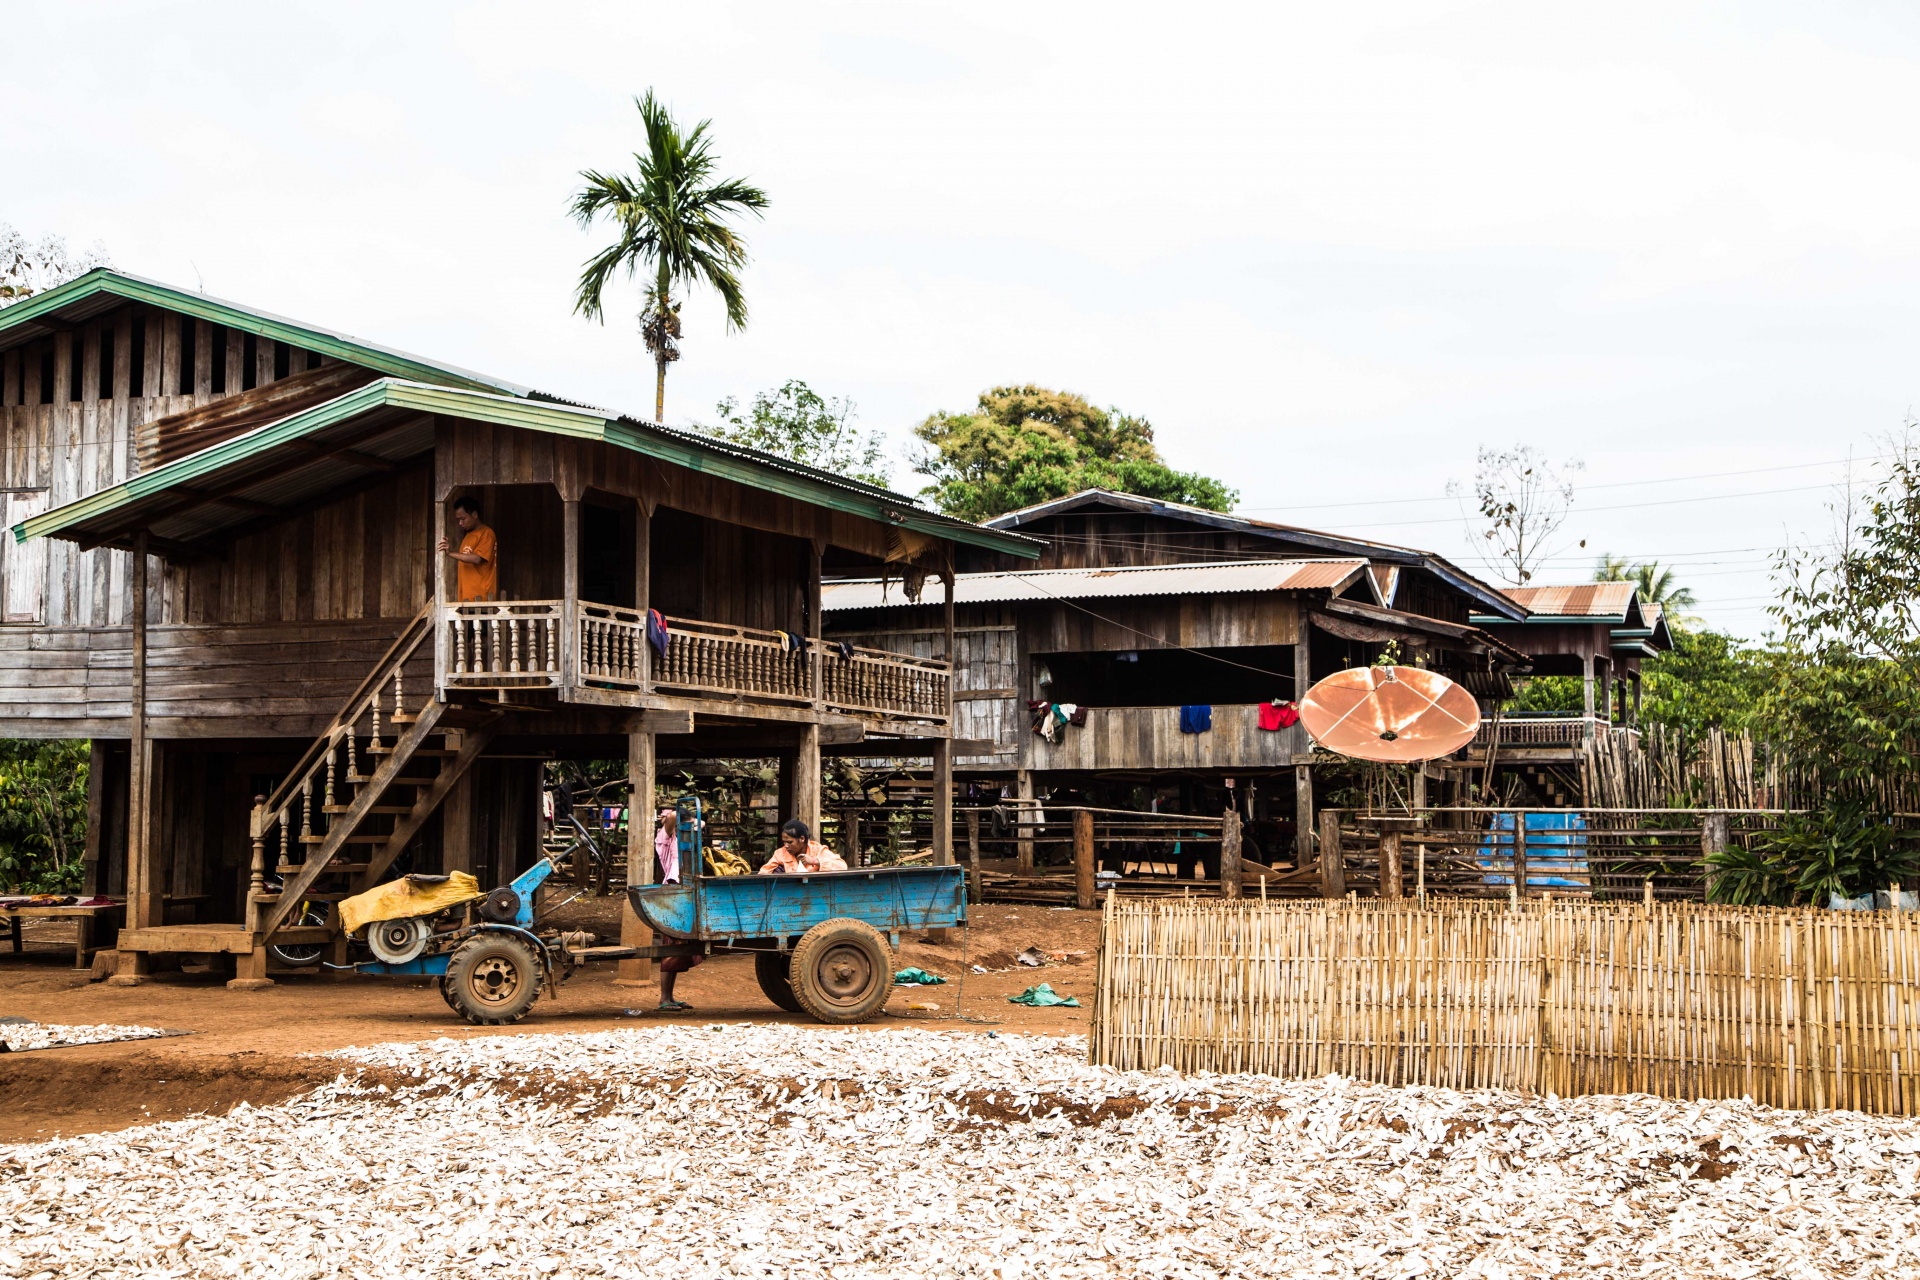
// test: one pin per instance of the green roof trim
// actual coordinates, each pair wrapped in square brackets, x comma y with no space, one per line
[773,475]
[104,280]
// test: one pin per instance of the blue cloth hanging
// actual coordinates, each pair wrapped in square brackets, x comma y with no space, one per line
[657,631]
[1196,719]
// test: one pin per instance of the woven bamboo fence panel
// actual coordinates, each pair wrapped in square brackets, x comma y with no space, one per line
[1800,1008]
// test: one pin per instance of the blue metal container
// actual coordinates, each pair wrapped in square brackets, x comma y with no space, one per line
[1556,850]
[738,909]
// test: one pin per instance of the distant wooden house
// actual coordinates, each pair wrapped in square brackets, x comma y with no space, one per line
[1596,632]
[1137,609]
[222,571]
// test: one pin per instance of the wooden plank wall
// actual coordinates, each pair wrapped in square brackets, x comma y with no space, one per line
[479,453]
[70,445]
[1150,738]
[986,703]
[366,555]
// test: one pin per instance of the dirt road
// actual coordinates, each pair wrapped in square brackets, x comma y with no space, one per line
[248,1045]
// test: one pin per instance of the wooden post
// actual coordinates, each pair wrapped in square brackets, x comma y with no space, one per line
[806,779]
[95,877]
[1586,692]
[1714,838]
[641,816]
[441,660]
[1083,859]
[943,801]
[813,628]
[973,851]
[1230,854]
[258,825]
[145,895]
[1023,818]
[850,833]
[1333,864]
[1391,886]
[1303,816]
[642,591]
[1519,855]
[570,593]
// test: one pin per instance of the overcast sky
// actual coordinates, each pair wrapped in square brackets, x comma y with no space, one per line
[1328,250]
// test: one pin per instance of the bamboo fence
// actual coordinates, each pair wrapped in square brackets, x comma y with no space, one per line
[1795,1008]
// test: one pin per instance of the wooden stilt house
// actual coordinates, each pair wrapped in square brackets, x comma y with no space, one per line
[1138,609]
[222,571]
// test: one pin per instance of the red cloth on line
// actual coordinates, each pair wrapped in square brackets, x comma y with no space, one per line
[1278,715]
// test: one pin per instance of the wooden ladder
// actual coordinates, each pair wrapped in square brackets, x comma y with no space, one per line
[355,788]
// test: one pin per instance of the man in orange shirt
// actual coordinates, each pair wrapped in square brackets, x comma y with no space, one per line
[799,853]
[478,577]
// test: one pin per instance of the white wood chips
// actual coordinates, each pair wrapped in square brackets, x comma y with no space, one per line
[787,1151]
[20,1036]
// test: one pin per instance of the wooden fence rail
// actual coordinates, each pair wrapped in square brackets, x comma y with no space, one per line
[1795,1008]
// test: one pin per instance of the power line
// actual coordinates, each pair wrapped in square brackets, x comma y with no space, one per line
[1611,484]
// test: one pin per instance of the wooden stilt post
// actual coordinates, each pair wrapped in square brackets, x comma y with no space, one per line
[1390,871]
[1303,816]
[145,895]
[1230,854]
[1083,860]
[1333,865]
[806,779]
[640,827]
[973,851]
[1023,818]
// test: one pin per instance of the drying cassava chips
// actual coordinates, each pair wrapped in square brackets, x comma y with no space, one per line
[791,1151]
[20,1036]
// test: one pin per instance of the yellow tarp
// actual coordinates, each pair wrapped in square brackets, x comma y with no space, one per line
[407,896]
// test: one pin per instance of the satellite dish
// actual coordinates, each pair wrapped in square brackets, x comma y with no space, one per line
[1393,715]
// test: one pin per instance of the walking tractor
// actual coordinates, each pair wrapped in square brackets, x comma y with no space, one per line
[822,943]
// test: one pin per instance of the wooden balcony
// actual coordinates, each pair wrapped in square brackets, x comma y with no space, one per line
[1550,733]
[530,644]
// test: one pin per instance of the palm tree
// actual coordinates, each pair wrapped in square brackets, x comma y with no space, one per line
[1656,585]
[672,218]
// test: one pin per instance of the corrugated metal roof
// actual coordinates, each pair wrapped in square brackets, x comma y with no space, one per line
[276,466]
[1335,543]
[1579,600]
[102,289]
[1084,584]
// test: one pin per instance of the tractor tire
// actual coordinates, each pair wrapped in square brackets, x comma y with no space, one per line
[446,992]
[493,980]
[842,971]
[770,967]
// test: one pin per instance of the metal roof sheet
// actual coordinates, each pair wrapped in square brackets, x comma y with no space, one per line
[1439,566]
[1578,600]
[273,466]
[1084,584]
[102,289]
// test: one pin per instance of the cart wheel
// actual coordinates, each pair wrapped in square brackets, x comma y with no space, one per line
[492,980]
[445,989]
[771,968]
[842,971]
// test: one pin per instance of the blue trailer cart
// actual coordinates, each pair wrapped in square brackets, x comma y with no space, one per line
[822,943]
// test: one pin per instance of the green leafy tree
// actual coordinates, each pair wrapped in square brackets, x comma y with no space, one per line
[1709,680]
[673,223]
[797,422]
[43,815]
[1848,696]
[1028,444]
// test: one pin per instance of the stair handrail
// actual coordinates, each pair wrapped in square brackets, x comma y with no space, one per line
[403,647]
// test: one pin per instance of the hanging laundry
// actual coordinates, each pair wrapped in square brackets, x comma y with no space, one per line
[1196,719]
[792,641]
[657,635]
[1063,713]
[1278,715]
[1079,718]
[845,649]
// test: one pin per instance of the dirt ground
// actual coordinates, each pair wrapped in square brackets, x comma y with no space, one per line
[246,1045]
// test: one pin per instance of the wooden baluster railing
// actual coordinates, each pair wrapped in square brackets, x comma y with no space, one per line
[353,760]
[286,838]
[459,646]
[306,812]
[333,749]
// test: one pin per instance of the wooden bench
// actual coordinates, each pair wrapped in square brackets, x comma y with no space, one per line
[82,916]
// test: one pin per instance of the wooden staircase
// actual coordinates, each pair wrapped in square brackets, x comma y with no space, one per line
[362,791]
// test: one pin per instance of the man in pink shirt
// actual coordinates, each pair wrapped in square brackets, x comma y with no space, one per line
[799,853]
